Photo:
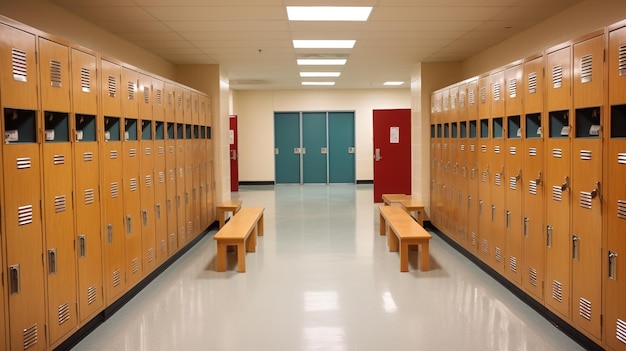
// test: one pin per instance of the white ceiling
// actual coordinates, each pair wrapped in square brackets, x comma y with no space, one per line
[252,39]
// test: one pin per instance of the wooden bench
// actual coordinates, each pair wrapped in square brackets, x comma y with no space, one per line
[241,231]
[388,199]
[227,206]
[404,232]
[411,206]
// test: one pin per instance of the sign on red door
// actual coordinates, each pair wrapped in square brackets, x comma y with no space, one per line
[392,152]
[234,162]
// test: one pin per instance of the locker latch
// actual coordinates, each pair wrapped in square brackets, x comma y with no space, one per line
[538,180]
[565,184]
[596,192]
[549,236]
[518,177]
[612,265]
[575,241]
[82,246]
[52,261]
[128,224]
[14,279]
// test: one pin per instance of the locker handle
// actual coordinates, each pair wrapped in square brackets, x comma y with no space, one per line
[549,236]
[612,265]
[565,184]
[538,180]
[324,150]
[129,224]
[14,279]
[469,202]
[169,205]
[186,198]
[480,207]
[575,247]
[82,246]
[233,155]
[518,177]
[52,261]
[460,198]
[194,194]
[276,151]
[178,201]
[157,210]
[526,220]
[144,214]
[596,192]
[493,213]
[508,219]
[110,233]
[377,156]
[303,151]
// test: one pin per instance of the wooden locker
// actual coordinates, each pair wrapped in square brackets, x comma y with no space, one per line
[111,89]
[189,166]
[160,172]
[210,184]
[147,193]
[181,206]
[86,156]
[462,168]
[434,161]
[438,211]
[58,204]
[513,175]
[533,240]
[146,96]
[133,217]
[445,160]
[497,168]
[4,338]
[204,211]
[614,277]
[22,224]
[587,192]
[178,104]
[453,168]
[171,173]
[472,161]
[195,192]
[557,177]
[130,97]
[485,173]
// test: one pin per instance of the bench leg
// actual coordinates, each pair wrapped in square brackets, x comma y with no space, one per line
[259,226]
[404,257]
[392,241]
[383,225]
[424,257]
[251,241]
[221,257]
[241,258]
[220,216]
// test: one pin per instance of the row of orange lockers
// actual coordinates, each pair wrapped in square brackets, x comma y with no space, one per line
[107,172]
[527,173]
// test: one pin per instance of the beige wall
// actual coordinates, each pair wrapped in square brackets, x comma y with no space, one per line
[255,111]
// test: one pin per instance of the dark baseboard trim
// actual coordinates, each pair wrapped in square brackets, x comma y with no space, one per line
[265,182]
[98,319]
[555,320]
[365,181]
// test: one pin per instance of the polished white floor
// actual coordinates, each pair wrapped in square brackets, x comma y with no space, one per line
[323,279]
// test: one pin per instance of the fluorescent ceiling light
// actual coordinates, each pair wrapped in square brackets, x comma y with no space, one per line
[318,83]
[324,44]
[328,13]
[322,62]
[320,74]
[393,83]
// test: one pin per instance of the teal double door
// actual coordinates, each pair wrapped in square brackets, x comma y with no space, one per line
[314,147]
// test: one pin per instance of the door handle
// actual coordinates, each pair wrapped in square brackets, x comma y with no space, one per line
[565,184]
[612,265]
[233,155]
[575,241]
[351,150]
[110,233]
[82,246]
[549,236]
[324,150]
[596,192]
[128,224]
[14,279]
[526,220]
[377,156]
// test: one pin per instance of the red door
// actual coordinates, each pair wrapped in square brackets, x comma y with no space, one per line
[234,162]
[392,152]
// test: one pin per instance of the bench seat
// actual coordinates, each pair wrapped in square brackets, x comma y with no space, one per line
[402,232]
[241,231]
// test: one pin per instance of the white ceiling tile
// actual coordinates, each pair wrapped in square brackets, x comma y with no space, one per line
[217,13]
[219,26]
[95,3]
[434,13]
[212,44]
[132,36]
[179,51]
[134,27]
[158,44]
[114,13]
[252,35]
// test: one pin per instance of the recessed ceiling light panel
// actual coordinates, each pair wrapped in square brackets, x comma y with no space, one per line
[318,83]
[324,44]
[322,62]
[393,83]
[319,74]
[328,13]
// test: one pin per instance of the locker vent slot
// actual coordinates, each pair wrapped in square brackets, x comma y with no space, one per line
[513,88]
[498,254]
[146,95]
[472,98]
[189,227]
[92,294]
[473,238]
[170,100]
[557,291]
[148,181]
[621,209]
[485,246]
[557,153]
[88,157]
[64,313]
[621,159]
[557,193]
[161,177]
[513,183]
[586,71]
[132,152]
[115,190]
[112,86]
[513,150]
[557,76]
[19,66]
[180,103]
[532,151]
[585,199]
[148,151]
[621,331]
[496,92]
[532,82]
[532,276]
[472,148]
[23,162]
[171,149]
[585,155]
[483,95]
[59,159]
[496,149]
[117,278]
[25,215]
[163,247]
[513,264]
[498,179]
[160,150]
[150,254]
[483,177]
[133,184]
[131,90]
[85,80]
[445,146]
[134,265]
[89,196]
[621,61]
[585,309]
[59,204]
[55,73]
[462,147]
[30,336]
[532,187]
[483,148]
[159,97]
[113,154]
[171,172]
[461,100]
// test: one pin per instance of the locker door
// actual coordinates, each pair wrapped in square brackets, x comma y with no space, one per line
[587,190]
[462,168]
[180,185]
[160,193]
[615,253]
[444,199]
[147,183]
[497,166]
[287,146]
[435,154]
[188,200]
[533,240]
[3,324]
[315,147]
[558,155]
[202,194]
[485,173]
[195,192]
[21,220]
[210,188]
[513,175]
[171,205]
[132,201]
[472,166]
[341,151]
[453,208]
